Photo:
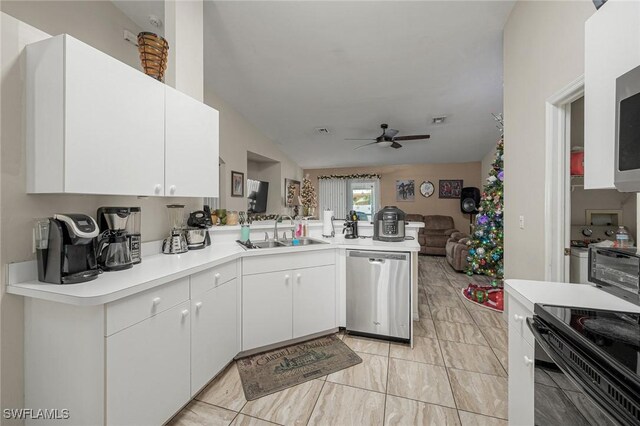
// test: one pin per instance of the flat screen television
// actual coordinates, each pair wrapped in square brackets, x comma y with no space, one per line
[257,198]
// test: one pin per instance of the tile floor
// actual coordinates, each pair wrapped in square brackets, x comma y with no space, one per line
[456,374]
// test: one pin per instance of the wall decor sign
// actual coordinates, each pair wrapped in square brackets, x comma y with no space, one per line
[237,184]
[292,188]
[450,188]
[427,189]
[405,190]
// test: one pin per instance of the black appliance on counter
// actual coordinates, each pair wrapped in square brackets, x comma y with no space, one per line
[351,226]
[114,251]
[388,224]
[587,366]
[66,249]
[201,219]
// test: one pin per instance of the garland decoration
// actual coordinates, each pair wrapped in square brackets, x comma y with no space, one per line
[355,176]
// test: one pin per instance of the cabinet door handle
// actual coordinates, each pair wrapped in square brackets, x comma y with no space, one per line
[198,306]
[298,278]
[155,301]
[172,189]
[185,313]
[157,188]
[528,361]
[217,276]
[286,279]
[518,318]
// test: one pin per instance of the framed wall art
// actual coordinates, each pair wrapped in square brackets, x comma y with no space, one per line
[237,184]
[405,190]
[450,188]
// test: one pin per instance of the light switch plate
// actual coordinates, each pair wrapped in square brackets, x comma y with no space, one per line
[521,222]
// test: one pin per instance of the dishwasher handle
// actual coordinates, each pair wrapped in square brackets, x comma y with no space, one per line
[378,255]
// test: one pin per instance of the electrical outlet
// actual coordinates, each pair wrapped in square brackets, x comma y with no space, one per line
[521,222]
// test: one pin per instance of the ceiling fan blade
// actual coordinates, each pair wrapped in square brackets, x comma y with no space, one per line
[411,137]
[390,133]
[396,145]
[366,144]
[354,139]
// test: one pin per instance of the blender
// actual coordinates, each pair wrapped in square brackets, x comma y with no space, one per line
[133,234]
[176,242]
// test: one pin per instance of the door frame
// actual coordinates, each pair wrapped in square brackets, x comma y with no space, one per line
[557,179]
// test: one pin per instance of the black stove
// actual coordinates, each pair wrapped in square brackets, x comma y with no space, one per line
[599,350]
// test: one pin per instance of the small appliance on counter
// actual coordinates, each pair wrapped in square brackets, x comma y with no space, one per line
[388,224]
[351,226]
[66,250]
[133,234]
[328,231]
[197,234]
[176,242]
[114,253]
[616,271]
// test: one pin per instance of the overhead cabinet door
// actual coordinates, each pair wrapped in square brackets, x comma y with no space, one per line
[191,131]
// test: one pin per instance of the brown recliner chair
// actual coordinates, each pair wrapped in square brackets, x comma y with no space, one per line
[457,251]
[433,237]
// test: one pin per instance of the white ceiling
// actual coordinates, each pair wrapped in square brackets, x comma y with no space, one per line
[290,67]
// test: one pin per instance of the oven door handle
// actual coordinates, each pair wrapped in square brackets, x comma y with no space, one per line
[586,387]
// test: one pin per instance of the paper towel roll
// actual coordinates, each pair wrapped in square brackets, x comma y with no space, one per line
[327,223]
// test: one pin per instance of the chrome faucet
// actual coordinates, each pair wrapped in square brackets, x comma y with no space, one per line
[275,228]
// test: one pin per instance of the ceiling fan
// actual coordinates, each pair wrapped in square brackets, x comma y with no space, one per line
[388,138]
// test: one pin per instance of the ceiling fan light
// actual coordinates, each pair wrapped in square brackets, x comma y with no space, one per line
[385,144]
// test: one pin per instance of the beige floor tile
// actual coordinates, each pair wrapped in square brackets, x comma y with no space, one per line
[442,291]
[370,374]
[366,345]
[424,328]
[243,420]
[460,332]
[503,357]
[422,382]
[345,405]
[200,414]
[497,337]
[292,406]
[464,356]
[225,391]
[450,301]
[424,350]
[480,393]
[487,318]
[401,411]
[424,311]
[445,313]
[472,419]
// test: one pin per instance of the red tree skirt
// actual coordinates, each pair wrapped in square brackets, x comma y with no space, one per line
[486,296]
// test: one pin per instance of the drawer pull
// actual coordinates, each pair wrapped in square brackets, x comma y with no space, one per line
[286,278]
[528,361]
[198,306]
[298,278]
[217,276]
[185,313]
[155,301]
[157,188]
[518,318]
[172,189]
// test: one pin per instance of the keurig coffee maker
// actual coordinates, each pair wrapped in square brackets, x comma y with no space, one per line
[66,249]
[113,251]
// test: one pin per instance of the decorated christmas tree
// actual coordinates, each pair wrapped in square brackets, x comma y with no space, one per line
[308,198]
[486,247]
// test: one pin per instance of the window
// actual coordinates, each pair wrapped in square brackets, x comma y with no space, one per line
[363,198]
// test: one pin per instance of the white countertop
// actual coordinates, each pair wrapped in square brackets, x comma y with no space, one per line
[564,294]
[269,224]
[159,269]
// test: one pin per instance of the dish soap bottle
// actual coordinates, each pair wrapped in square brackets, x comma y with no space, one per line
[622,238]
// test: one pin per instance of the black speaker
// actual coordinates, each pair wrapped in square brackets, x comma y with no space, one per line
[469,200]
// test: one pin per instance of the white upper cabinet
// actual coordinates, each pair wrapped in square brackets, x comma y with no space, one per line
[98,126]
[612,47]
[191,147]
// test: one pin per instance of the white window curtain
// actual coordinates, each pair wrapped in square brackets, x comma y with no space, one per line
[337,195]
[333,196]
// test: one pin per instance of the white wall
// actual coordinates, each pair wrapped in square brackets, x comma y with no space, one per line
[237,136]
[486,166]
[543,52]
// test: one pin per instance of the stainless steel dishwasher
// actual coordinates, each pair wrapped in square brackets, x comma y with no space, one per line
[379,294]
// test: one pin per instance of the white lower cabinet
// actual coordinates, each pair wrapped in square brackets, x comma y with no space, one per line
[314,300]
[521,382]
[290,303]
[147,369]
[266,309]
[214,332]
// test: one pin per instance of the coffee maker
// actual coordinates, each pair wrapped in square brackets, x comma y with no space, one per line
[113,251]
[176,242]
[351,226]
[66,250]
[133,234]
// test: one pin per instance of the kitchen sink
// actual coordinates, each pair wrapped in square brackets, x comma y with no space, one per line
[281,243]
